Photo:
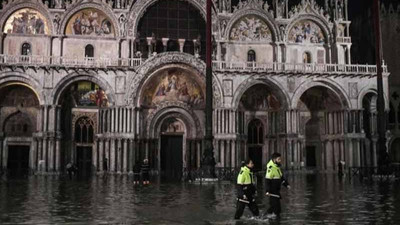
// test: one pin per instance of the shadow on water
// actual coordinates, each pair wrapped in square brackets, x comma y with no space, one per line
[313,199]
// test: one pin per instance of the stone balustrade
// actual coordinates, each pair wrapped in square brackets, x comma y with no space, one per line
[218,66]
[301,68]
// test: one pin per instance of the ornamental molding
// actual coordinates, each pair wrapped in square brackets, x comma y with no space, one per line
[251,4]
[15,5]
[307,7]
[140,7]
[275,87]
[323,24]
[76,115]
[266,17]
[159,61]
[177,109]
[79,5]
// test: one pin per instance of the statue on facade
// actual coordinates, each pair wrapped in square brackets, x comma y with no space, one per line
[58,4]
[223,27]
[281,9]
[153,43]
[197,45]
[122,25]
[57,21]
[340,10]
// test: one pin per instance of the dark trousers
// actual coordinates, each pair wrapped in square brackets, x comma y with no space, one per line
[275,205]
[240,208]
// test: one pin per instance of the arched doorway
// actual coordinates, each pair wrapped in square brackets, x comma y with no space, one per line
[19,107]
[260,107]
[84,141]
[319,108]
[80,103]
[255,142]
[171,151]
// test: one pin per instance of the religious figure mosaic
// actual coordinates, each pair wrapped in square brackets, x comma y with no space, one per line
[90,22]
[26,21]
[250,28]
[306,31]
[259,98]
[173,85]
[86,93]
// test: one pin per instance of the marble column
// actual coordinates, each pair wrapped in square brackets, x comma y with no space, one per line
[119,155]
[112,155]
[101,154]
[125,156]
[165,43]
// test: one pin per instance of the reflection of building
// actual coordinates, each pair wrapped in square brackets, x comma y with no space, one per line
[123,82]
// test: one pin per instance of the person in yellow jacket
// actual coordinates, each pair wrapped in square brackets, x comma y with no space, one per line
[274,180]
[246,190]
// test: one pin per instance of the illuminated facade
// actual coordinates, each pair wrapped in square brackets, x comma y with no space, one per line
[84,80]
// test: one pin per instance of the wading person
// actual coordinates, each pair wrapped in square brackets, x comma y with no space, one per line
[274,180]
[246,190]
[145,172]
[136,173]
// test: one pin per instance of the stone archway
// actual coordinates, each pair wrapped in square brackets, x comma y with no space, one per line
[80,99]
[319,109]
[176,132]
[19,110]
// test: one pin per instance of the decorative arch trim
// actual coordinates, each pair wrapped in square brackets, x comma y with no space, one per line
[371,89]
[254,80]
[138,10]
[26,80]
[151,65]
[105,8]
[179,109]
[323,24]
[329,84]
[72,78]
[11,8]
[249,12]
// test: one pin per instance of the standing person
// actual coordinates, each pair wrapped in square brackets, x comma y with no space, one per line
[70,169]
[105,166]
[145,171]
[274,180]
[136,173]
[246,190]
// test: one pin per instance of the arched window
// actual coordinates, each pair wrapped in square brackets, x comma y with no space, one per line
[89,51]
[84,131]
[251,56]
[26,49]
[255,132]
[307,57]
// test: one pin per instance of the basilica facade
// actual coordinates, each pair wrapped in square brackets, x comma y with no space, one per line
[105,84]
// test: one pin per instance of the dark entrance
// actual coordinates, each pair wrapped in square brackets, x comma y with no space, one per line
[171,157]
[18,160]
[311,161]
[255,154]
[84,160]
[255,142]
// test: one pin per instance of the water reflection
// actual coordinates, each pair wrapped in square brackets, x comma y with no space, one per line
[313,199]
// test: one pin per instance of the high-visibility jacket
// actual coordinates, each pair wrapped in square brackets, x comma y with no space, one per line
[273,171]
[245,176]
[274,178]
[245,182]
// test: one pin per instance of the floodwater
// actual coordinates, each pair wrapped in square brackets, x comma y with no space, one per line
[313,199]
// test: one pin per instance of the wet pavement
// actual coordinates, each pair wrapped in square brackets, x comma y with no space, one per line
[313,199]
